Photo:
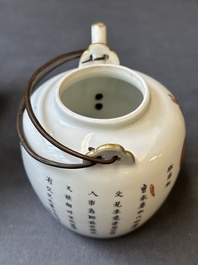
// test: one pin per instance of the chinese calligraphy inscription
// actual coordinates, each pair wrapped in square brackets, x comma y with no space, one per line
[92,213]
[69,207]
[141,207]
[50,197]
[116,215]
[169,175]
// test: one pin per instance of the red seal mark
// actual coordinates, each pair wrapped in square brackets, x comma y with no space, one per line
[152,190]
[182,153]
[173,99]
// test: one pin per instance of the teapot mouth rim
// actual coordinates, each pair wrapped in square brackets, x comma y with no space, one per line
[110,70]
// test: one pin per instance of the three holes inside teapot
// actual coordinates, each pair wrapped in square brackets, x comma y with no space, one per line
[101,97]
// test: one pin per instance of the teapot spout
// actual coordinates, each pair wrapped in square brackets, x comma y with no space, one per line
[99,33]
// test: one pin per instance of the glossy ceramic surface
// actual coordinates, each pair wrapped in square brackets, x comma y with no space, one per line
[106,200]
[105,104]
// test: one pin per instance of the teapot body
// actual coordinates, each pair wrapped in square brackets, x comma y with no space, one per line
[104,200]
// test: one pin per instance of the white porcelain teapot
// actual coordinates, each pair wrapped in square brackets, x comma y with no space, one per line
[101,144]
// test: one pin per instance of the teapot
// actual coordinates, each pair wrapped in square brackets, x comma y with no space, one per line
[101,144]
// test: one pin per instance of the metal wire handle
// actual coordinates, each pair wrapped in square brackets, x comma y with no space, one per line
[26,104]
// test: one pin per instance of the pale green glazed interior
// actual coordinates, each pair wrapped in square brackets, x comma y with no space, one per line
[101,97]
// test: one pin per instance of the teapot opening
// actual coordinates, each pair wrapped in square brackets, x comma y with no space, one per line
[101,97]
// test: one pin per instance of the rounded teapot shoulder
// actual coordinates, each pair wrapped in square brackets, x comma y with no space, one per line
[158,129]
